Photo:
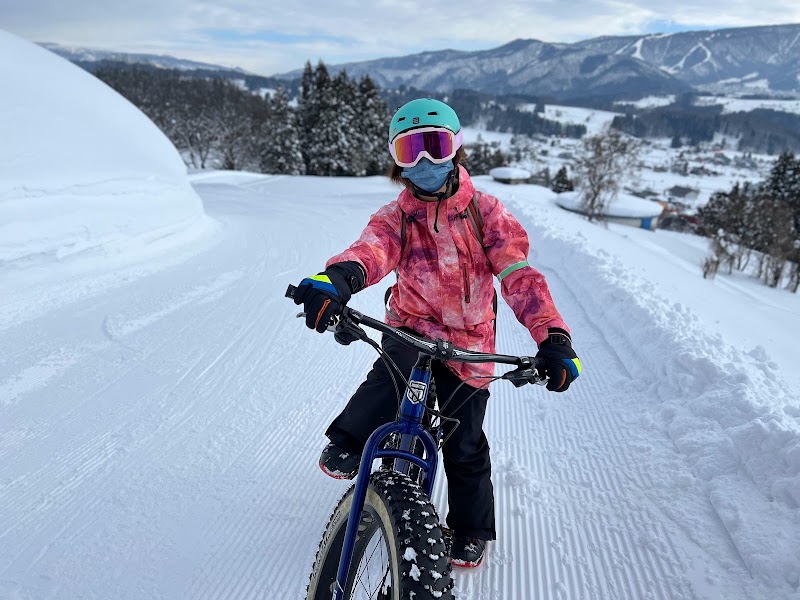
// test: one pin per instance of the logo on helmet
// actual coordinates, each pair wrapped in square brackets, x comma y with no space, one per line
[415,120]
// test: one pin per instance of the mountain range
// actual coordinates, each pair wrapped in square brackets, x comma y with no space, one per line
[741,61]
[744,61]
[88,56]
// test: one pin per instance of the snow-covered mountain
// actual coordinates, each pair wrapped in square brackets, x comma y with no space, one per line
[745,60]
[84,56]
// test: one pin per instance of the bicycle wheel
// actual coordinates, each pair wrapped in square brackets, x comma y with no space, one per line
[400,552]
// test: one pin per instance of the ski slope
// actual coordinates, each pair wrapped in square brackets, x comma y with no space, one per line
[160,426]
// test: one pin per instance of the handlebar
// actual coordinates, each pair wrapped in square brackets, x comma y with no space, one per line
[529,369]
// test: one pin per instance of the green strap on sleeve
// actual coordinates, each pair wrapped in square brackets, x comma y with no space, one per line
[511,269]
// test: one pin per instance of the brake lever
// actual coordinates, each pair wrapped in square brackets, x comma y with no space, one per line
[332,325]
[526,373]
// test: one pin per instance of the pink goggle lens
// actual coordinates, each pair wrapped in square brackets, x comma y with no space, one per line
[439,144]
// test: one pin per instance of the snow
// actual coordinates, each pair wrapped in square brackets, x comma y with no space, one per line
[596,121]
[82,171]
[734,105]
[623,205]
[509,173]
[648,101]
[162,410]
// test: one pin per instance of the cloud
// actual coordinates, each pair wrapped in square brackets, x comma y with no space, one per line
[280,35]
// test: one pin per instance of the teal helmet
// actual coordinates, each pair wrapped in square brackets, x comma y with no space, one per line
[423,112]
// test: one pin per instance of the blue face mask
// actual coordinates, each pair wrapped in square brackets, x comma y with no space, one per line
[427,175]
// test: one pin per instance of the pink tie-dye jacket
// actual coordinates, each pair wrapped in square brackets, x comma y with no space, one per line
[445,280]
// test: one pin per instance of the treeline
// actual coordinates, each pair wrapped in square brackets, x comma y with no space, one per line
[762,131]
[756,228]
[494,113]
[251,82]
[512,120]
[338,126]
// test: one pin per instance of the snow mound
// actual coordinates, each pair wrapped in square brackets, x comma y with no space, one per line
[624,205]
[509,173]
[81,169]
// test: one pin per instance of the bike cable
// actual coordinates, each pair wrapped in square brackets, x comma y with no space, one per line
[390,366]
[457,422]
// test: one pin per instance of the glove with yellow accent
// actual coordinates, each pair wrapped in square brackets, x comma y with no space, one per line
[323,295]
[561,365]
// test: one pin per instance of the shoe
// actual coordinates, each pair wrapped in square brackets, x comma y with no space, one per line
[338,463]
[467,551]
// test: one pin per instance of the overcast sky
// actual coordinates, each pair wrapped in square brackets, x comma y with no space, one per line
[275,36]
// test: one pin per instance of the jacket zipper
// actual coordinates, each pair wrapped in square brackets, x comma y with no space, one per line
[467,232]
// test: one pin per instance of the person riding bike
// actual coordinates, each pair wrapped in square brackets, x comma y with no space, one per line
[444,290]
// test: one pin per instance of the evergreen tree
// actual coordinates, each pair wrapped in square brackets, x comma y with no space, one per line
[561,182]
[483,157]
[373,120]
[333,147]
[307,110]
[280,150]
[784,184]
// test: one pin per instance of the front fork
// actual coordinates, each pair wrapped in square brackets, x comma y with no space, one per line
[409,426]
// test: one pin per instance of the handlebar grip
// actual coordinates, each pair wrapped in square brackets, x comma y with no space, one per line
[290,291]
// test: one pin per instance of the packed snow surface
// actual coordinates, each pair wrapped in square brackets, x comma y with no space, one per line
[162,412]
[159,438]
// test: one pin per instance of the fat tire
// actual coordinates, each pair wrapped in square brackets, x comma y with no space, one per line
[408,520]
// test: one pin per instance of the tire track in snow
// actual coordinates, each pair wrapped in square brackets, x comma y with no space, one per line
[83,463]
[249,534]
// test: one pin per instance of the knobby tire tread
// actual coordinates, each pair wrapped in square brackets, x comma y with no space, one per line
[405,509]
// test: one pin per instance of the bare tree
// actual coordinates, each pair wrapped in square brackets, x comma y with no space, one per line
[602,164]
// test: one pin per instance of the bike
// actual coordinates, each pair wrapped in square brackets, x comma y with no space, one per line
[386,524]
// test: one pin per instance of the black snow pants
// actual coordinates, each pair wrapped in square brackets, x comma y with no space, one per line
[466,453]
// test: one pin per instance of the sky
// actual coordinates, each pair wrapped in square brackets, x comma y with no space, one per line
[278,36]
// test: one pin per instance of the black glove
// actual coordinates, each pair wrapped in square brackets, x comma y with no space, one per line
[323,295]
[561,365]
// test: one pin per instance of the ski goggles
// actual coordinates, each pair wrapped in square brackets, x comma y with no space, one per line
[438,144]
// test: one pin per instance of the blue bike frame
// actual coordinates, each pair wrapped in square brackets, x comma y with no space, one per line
[410,428]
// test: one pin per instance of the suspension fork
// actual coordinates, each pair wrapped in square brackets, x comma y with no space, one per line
[409,426]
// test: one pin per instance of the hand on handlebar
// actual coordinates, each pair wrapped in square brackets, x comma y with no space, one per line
[560,363]
[323,296]
[347,326]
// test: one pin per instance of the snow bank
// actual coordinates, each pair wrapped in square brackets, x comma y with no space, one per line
[81,168]
[728,411]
